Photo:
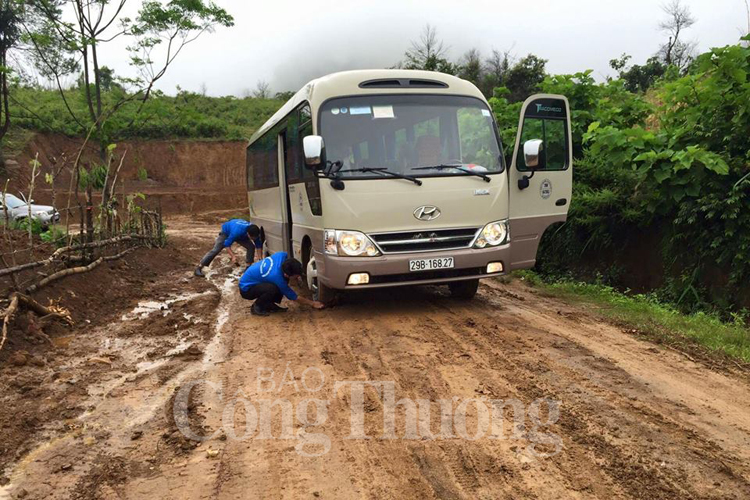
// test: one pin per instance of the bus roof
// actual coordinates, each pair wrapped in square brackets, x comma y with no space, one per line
[372,81]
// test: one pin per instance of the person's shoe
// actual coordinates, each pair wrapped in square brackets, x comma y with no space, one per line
[199,272]
[257,311]
[275,308]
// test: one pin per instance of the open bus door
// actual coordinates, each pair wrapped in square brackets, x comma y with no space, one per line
[286,207]
[540,175]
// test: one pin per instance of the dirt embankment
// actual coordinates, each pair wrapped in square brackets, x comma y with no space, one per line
[184,176]
[590,410]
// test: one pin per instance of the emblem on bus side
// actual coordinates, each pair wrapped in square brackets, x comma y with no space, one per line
[427,212]
[545,189]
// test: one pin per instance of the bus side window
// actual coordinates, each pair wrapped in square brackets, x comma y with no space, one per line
[312,184]
[250,165]
[553,133]
[293,151]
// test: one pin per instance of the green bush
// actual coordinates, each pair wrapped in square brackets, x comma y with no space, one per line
[679,168]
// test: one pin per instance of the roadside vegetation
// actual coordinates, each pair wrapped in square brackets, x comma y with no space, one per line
[646,314]
[186,115]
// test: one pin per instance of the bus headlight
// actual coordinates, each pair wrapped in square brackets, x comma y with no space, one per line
[349,243]
[493,234]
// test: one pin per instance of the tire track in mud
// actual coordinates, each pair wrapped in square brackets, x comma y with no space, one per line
[624,434]
[434,348]
[638,465]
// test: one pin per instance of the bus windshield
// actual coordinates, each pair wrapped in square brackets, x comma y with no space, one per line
[409,134]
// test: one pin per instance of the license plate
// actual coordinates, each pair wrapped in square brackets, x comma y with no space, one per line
[431,264]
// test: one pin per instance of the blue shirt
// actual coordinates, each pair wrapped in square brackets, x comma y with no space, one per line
[268,270]
[236,230]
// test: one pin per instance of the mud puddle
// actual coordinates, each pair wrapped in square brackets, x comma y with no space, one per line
[139,361]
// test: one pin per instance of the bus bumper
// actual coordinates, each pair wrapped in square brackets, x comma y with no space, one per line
[393,269]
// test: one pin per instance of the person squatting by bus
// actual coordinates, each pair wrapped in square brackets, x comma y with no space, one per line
[267,283]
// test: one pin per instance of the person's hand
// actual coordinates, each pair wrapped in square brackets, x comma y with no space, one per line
[318,305]
[234,261]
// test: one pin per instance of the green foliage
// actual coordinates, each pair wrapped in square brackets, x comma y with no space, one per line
[23,225]
[638,78]
[186,115]
[54,235]
[679,169]
[649,315]
[142,174]
[525,76]
[94,177]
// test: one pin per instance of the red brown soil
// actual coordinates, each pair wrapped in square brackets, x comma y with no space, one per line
[183,176]
[636,420]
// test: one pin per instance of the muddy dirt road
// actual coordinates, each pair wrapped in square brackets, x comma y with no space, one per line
[511,395]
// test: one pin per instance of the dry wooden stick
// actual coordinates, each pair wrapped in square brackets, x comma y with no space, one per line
[94,244]
[63,273]
[41,310]
[59,252]
[12,308]
[119,255]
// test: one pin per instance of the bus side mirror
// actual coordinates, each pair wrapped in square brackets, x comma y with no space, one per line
[313,146]
[533,158]
[532,154]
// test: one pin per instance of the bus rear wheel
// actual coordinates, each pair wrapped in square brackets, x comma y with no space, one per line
[464,290]
[319,291]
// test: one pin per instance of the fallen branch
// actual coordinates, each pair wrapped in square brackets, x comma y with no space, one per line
[94,244]
[63,273]
[22,267]
[60,251]
[119,255]
[12,308]
[45,312]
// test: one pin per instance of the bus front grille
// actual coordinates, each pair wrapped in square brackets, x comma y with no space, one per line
[426,240]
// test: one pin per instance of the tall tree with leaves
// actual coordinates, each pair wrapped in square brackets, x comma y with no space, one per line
[470,67]
[525,76]
[9,33]
[68,36]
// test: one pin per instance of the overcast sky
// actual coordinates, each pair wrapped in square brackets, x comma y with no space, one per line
[287,43]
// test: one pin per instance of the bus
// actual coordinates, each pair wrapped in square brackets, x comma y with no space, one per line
[381,178]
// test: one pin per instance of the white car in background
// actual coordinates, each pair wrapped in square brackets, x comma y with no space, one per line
[18,210]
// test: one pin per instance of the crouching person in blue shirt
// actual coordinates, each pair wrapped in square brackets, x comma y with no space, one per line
[267,282]
[238,231]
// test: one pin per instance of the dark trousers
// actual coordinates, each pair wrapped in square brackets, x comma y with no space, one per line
[264,294]
[219,245]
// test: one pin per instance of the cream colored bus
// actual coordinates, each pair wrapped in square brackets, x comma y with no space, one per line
[396,177]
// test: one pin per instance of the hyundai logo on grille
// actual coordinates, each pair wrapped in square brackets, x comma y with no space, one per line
[427,212]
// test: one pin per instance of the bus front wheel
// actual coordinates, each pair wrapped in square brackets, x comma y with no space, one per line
[319,291]
[464,290]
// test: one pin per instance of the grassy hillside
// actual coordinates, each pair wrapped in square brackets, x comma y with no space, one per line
[186,115]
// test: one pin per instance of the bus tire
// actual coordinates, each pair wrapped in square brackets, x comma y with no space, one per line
[464,290]
[325,295]
[318,290]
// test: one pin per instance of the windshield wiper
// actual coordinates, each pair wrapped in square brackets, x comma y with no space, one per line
[383,171]
[486,178]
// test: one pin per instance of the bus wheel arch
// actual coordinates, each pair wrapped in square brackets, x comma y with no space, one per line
[319,291]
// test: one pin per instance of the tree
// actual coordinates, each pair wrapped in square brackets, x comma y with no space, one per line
[638,78]
[496,68]
[470,68]
[9,33]
[676,52]
[284,96]
[262,90]
[428,53]
[524,77]
[65,34]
